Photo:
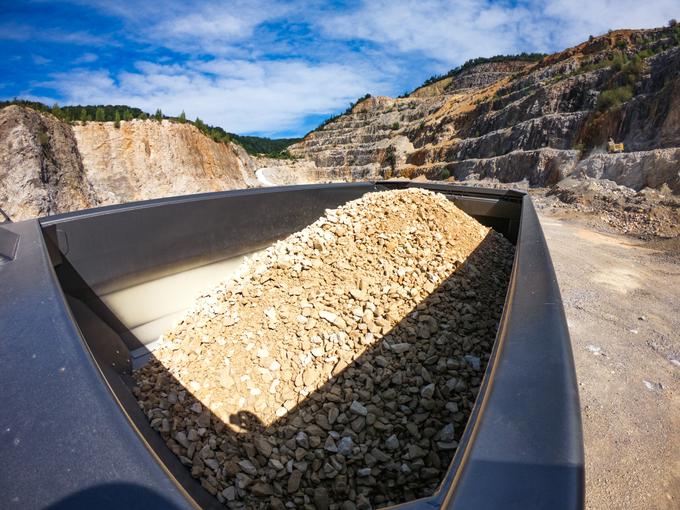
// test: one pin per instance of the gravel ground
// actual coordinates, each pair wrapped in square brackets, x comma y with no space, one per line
[338,369]
[622,300]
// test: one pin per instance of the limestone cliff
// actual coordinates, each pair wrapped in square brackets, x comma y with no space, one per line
[149,159]
[517,120]
[40,169]
[48,166]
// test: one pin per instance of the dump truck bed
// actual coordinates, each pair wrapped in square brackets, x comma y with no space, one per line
[72,432]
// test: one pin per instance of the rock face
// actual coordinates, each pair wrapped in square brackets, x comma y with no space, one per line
[41,171]
[636,170]
[149,159]
[515,120]
[48,166]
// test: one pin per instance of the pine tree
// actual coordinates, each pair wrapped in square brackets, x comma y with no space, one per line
[159,115]
[100,115]
[83,115]
[182,117]
[116,122]
[127,115]
[56,111]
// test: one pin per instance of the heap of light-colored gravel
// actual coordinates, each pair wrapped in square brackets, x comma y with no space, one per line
[338,369]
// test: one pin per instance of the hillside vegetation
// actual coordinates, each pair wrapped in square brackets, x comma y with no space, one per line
[271,147]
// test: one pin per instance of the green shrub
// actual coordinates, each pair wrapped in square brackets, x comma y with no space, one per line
[609,99]
[43,139]
[445,174]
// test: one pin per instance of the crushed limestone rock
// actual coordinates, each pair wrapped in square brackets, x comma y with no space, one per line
[338,368]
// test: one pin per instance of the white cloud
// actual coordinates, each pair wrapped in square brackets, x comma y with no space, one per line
[206,27]
[240,96]
[86,58]
[454,31]
[40,60]
[21,33]
[379,46]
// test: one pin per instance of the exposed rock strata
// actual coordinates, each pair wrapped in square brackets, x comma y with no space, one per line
[520,121]
[48,166]
[41,171]
[149,159]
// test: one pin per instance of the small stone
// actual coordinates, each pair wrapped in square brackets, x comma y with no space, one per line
[363,472]
[415,452]
[358,294]
[261,489]
[473,361]
[357,408]
[330,445]
[652,386]
[181,438]
[400,348]
[212,464]
[345,446]
[381,361]
[229,493]
[302,439]
[294,481]
[392,442]
[263,446]
[196,407]
[367,339]
[427,391]
[363,503]
[276,464]
[381,456]
[329,316]
[447,433]
[248,467]
[321,500]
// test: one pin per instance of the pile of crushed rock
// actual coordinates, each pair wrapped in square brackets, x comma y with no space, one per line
[338,368]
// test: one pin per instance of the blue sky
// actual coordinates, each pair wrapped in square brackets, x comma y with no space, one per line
[276,68]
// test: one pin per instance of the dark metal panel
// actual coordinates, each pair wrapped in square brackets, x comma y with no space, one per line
[8,243]
[116,246]
[525,445]
[63,440]
[522,448]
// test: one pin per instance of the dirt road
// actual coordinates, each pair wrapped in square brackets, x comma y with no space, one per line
[622,302]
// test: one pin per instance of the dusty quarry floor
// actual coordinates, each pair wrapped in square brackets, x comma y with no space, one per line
[622,301]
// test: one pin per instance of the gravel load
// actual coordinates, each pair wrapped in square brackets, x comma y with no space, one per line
[337,369]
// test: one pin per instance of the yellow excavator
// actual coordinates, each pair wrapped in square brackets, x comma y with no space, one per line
[614,147]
